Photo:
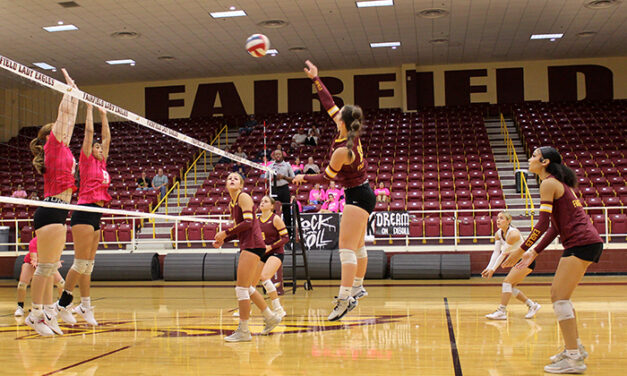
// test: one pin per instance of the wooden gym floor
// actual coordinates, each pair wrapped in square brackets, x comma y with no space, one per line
[401,328]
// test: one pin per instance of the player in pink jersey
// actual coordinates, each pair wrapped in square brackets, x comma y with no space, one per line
[53,159]
[348,167]
[26,274]
[94,184]
[561,214]
[275,236]
[247,231]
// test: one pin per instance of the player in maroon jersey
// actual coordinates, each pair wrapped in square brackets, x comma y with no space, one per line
[247,231]
[561,214]
[275,236]
[348,167]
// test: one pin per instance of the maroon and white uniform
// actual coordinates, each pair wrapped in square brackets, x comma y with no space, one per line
[245,228]
[272,236]
[350,175]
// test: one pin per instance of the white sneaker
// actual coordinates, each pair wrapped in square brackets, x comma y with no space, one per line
[567,365]
[65,314]
[497,315]
[557,357]
[239,336]
[38,325]
[279,311]
[87,313]
[535,307]
[271,323]
[51,320]
[342,307]
[359,292]
[19,311]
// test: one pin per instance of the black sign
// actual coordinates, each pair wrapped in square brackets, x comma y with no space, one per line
[388,223]
[321,230]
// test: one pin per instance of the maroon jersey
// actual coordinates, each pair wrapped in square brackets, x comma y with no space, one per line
[271,235]
[350,175]
[571,222]
[251,238]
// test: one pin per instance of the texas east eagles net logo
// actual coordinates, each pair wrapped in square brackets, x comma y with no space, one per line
[298,324]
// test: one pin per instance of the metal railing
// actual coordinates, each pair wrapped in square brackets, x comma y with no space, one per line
[456,240]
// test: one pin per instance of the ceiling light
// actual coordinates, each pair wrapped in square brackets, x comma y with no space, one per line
[272,51]
[546,36]
[52,29]
[60,23]
[439,41]
[273,24]
[432,13]
[131,62]
[385,44]
[166,58]
[586,34]
[125,35]
[232,13]
[600,4]
[374,3]
[232,8]
[45,66]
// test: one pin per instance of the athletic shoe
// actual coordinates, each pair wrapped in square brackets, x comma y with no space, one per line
[279,311]
[65,314]
[359,292]
[342,307]
[271,323]
[557,357]
[567,365]
[535,307]
[51,320]
[19,311]
[87,313]
[38,325]
[497,315]
[239,336]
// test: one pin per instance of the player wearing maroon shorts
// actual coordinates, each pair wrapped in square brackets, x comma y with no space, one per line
[561,214]
[347,166]
[247,231]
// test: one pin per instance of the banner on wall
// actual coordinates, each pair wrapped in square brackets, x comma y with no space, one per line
[320,230]
[388,223]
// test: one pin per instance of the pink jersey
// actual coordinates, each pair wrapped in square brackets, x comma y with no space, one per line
[382,191]
[60,167]
[94,180]
[32,248]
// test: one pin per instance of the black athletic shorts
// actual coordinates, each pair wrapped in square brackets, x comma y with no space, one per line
[47,216]
[589,252]
[265,257]
[362,196]
[87,218]
[258,251]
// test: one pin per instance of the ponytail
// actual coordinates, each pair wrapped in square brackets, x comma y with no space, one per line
[560,171]
[37,148]
[351,116]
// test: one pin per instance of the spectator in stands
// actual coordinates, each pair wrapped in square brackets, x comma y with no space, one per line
[331,205]
[238,167]
[249,125]
[311,167]
[143,183]
[33,196]
[297,166]
[315,130]
[240,153]
[312,139]
[298,139]
[337,193]
[280,148]
[317,195]
[19,192]
[160,183]
[382,193]
[225,159]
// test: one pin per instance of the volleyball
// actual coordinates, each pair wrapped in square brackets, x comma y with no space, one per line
[257,45]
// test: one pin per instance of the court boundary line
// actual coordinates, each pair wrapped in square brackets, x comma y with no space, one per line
[457,367]
[87,360]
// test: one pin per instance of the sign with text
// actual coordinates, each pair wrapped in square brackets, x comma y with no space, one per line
[321,230]
[388,223]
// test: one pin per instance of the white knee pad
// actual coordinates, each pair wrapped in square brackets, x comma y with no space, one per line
[60,284]
[507,287]
[80,266]
[515,292]
[22,285]
[45,269]
[348,257]
[90,267]
[268,285]
[242,293]
[251,290]
[361,253]
[563,310]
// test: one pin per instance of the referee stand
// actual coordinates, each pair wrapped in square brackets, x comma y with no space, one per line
[297,248]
